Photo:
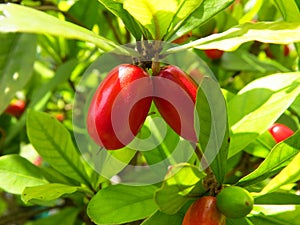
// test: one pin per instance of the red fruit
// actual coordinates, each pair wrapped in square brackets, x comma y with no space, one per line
[214,54]
[280,132]
[16,108]
[286,50]
[174,96]
[38,161]
[204,212]
[183,38]
[60,117]
[269,53]
[119,106]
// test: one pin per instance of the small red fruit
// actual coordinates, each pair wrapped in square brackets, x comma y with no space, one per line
[16,108]
[175,96]
[280,132]
[286,50]
[119,106]
[204,212]
[214,54]
[60,117]
[183,38]
[38,161]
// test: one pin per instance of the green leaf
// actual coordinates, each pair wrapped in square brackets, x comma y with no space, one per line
[170,149]
[250,116]
[63,72]
[54,143]
[118,204]
[181,181]
[241,59]
[202,14]
[117,9]
[47,192]
[212,126]
[66,216]
[17,18]
[160,218]
[154,15]
[289,174]
[110,163]
[276,215]
[288,10]
[230,40]
[280,155]
[17,54]
[16,173]
[88,12]
[158,16]
[278,198]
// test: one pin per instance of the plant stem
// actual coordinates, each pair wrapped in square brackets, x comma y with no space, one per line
[155,62]
[210,182]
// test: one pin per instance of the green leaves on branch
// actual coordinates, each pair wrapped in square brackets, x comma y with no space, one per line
[17,55]
[118,204]
[230,40]
[16,18]
[54,143]
[250,116]
[181,181]
[212,126]
[160,16]
[17,173]
[279,157]
[47,192]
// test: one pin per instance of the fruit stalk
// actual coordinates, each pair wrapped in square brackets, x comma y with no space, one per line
[210,181]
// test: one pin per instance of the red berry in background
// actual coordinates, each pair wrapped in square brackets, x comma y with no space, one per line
[175,96]
[60,117]
[126,89]
[204,212]
[286,50]
[280,132]
[38,161]
[214,54]
[16,108]
[269,53]
[183,38]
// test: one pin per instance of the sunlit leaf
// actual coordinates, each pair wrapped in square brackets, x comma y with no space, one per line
[17,173]
[17,18]
[230,40]
[119,204]
[47,192]
[250,116]
[279,157]
[54,143]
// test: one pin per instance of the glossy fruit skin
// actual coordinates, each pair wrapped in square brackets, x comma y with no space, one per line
[16,108]
[173,84]
[204,212]
[116,94]
[214,54]
[280,132]
[235,202]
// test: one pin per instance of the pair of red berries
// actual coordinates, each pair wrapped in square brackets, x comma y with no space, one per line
[122,101]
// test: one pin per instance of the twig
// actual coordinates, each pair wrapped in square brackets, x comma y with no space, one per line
[112,27]
[210,182]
